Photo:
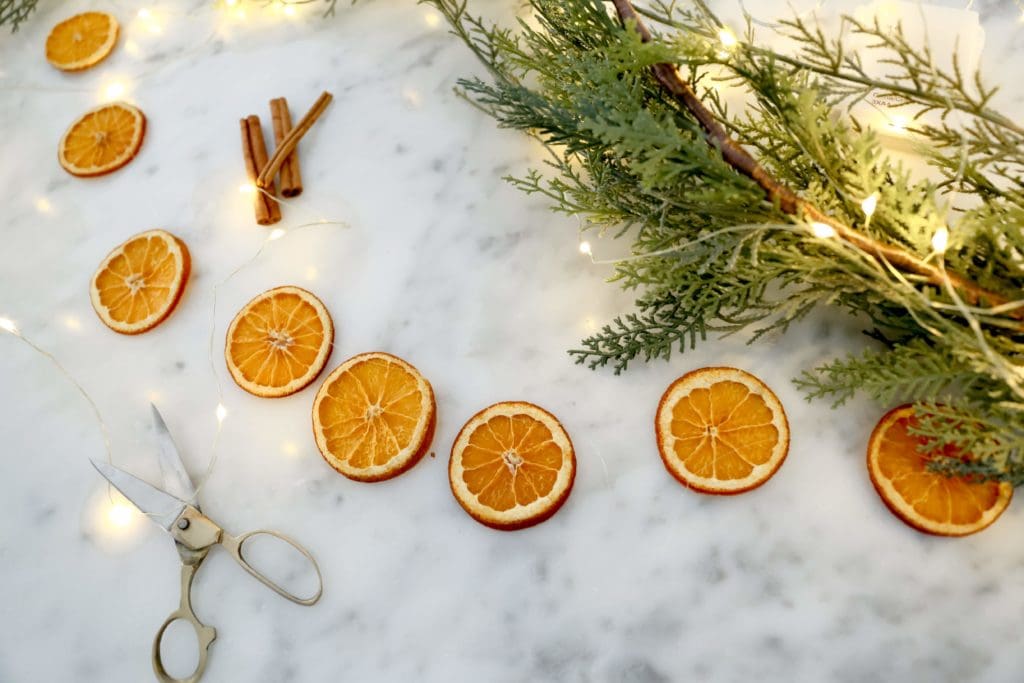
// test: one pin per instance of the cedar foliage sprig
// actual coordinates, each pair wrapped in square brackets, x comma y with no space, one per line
[712,253]
[14,12]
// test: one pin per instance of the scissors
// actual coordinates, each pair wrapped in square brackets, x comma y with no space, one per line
[177,512]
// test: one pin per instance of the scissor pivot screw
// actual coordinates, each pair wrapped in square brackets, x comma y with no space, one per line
[182,524]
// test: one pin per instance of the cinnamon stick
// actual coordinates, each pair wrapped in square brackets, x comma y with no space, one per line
[254,150]
[287,145]
[291,177]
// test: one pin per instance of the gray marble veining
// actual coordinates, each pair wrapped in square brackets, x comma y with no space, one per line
[635,580]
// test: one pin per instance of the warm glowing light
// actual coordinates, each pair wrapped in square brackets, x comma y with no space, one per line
[72,323]
[144,13]
[153,396]
[585,248]
[823,230]
[240,14]
[43,205]
[289,11]
[289,448]
[869,205]
[276,234]
[727,38]
[431,19]
[222,412]
[898,123]
[230,3]
[940,240]
[7,325]
[121,515]
[114,90]
[247,188]
[311,272]
[131,47]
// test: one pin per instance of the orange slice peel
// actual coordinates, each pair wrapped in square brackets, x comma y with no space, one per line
[81,41]
[721,431]
[279,342]
[928,501]
[102,140]
[374,417]
[139,284]
[512,466]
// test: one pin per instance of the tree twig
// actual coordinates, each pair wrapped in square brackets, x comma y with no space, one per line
[789,202]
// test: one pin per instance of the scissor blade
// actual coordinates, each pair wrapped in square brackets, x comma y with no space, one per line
[176,479]
[161,507]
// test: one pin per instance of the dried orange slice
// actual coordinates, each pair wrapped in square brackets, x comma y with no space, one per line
[928,501]
[279,342]
[721,430]
[374,417]
[140,282]
[81,41]
[512,465]
[102,140]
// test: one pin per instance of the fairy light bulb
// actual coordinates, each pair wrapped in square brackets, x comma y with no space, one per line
[247,188]
[7,325]
[222,413]
[230,3]
[869,205]
[120,515]
[585,248]
[289,11]
[144,13]
[43,205]
[727,38]
[898,124]
[276,234]
[940,240]
[114,90]
[823,230]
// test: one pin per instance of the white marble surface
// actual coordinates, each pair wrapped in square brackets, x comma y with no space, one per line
[636,579]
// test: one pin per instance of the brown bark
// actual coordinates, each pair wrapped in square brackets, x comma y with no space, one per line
[291,176]
[266,176]
[254,150]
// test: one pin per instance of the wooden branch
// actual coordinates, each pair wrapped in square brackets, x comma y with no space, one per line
[266,177]
[739,158]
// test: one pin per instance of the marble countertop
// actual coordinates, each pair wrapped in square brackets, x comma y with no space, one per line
[635,580]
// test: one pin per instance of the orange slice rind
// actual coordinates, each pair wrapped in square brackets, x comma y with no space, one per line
[512,466]
[374,417]
[928,501]
[721,431]
[279,342]
[102,140]
[81,41]
[139,283]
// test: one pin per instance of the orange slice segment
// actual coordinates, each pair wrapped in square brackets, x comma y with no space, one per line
[512,466]
[721,430]
[928,501]
[374,417]
[102,140]
[81,41]
[140,282]
[279,342]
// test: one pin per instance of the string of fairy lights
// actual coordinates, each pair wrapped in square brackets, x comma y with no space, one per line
[120,515]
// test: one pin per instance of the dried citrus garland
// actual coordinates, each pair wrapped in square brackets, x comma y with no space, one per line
[374,417]
[140,282]
[928,501]
[721,430]
[81,41]
[102,140]
[512,466]
[279,342]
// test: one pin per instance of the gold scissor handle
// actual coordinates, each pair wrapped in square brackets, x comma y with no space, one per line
[204,634]
[235,545]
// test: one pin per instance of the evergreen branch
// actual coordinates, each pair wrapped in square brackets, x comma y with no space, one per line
[15,12]
[669,77]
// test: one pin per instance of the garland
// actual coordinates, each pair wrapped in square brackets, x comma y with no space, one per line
[748,221]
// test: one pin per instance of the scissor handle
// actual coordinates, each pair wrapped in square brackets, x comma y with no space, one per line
[235,545]
[204,634]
